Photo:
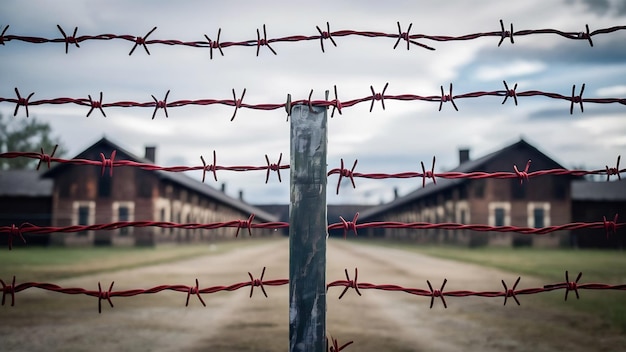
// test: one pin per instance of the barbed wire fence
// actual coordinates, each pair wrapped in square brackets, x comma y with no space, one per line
[16,231]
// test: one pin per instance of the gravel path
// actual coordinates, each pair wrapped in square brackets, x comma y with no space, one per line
[376,321]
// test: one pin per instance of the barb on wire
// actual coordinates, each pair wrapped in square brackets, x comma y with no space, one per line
[614,170]
[97,105]
[510,93]
[505,34]
[586,35]
[245,224]
[104,295]
[262,41]
[273,167]
[511,292]
[349,225]
[569,285]
[350,283]
[522,175]
[237,102]
[107,163]
[4,31]
[142,41]
[343,172]
[335,345]
[610,227]
[160,104]
[447,98]
[257,282]
[437,293]
[69,40]
[325,35]
[45,158]
[194,290]
[215,44]
[378,96]
[15,231]
[211,167]
[577,99]
[21,102]
[428,174]
[8,290]
[336,103]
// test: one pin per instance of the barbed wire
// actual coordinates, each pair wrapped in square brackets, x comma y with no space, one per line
[336,104]
[610,227]
[343,172]
[263,41]
[11,288]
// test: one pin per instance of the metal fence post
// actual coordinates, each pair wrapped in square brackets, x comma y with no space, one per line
[308,229]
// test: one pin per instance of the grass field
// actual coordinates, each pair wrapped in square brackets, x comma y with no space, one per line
[51,263]
[597,266]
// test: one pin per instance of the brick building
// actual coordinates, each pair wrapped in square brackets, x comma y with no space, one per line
[497,202]
[80,195]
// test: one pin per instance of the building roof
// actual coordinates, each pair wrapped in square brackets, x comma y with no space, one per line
[599,191]
[445,183]
[179,179]
[24,183]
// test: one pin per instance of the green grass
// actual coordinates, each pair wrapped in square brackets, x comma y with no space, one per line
[597,266]
[52,263]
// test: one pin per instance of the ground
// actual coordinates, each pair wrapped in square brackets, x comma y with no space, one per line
[231,321]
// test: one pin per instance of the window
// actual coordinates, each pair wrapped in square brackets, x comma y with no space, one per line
[83,214]
[122,215]
[124,211]
[499,214]
[538,214]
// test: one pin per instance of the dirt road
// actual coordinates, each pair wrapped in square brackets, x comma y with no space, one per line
[376,321]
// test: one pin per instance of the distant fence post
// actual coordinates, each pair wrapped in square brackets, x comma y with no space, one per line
[308,229]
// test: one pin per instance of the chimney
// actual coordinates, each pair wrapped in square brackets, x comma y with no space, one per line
[151,154]
[395,193]
[241,195]
[464,155]
[223,188]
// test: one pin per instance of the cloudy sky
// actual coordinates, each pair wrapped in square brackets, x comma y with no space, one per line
[393,140]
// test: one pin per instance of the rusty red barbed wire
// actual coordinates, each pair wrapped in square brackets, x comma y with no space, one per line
[522,176]
[610,227]
[11,288]
[322,35]
[109,163]
[336,104]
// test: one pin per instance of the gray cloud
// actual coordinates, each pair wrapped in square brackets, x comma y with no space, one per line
[604,7]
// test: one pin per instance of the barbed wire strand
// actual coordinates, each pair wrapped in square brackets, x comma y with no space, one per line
[238,103]
[609,226]
[12,288]
[111,163]
[263,41]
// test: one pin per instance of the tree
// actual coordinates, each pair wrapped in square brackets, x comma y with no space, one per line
[25,135]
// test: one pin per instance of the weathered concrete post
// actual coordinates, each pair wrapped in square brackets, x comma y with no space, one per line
[308,229]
